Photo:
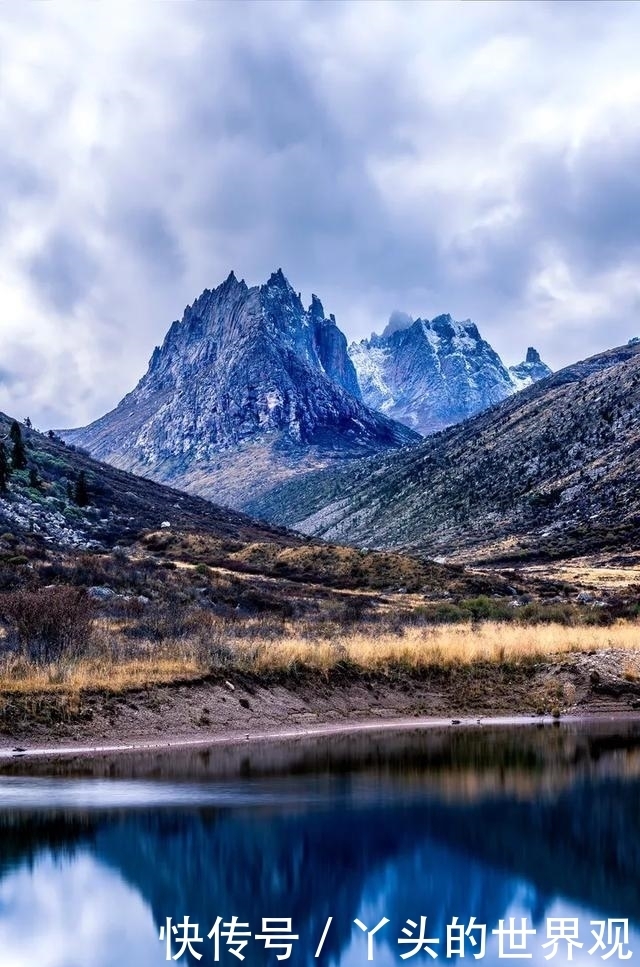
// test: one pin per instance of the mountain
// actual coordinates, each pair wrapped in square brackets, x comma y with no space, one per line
[550,472]
[248,389]
[431,374]
[529,371]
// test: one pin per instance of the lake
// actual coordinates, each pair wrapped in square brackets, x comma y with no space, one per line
[540,823]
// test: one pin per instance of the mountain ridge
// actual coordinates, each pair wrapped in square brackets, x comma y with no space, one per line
[549,472]
[250,389]
[430,374]
[247,383]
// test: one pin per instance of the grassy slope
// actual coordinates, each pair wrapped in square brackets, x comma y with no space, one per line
[122,505]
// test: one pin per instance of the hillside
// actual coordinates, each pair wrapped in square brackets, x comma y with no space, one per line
[115,627]
[121,506]
[247,390]
[130,518]
[553,471]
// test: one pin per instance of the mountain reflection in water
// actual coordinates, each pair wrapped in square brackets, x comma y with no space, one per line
[96,854]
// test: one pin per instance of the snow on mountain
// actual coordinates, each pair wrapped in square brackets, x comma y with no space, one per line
[431,374]
[250,389]
[529,371]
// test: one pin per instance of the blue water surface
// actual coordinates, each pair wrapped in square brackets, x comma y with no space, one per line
[534,823]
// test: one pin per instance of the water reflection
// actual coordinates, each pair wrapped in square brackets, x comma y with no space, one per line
[491,824]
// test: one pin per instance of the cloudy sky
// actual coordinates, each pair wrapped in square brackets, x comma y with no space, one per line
[477,158]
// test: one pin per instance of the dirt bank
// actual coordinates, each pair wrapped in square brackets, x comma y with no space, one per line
[215,707]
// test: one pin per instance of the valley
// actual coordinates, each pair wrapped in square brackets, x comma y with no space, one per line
[489,567]
[150,613]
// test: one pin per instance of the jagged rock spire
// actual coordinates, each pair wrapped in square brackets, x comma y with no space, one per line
[248,388]
[431,373]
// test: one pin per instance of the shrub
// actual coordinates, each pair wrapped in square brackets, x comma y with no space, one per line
[483,608]
[18,452]
[258,602]
[442,614]
[10,578]
[81,490]
[50,623]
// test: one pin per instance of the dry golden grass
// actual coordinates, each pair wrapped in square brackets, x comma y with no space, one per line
[592,573]
[94,674]
[445,645]
[325,564]
[413,650]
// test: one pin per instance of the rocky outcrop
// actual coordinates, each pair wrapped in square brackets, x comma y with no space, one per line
[247,388]
[530,371]
[431,374]
[331,345]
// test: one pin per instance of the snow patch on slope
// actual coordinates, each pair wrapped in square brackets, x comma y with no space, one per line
[429,374]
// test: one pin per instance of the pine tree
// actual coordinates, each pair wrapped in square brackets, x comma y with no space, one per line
[81,492]
[5,469]
[18,453]
[34,479]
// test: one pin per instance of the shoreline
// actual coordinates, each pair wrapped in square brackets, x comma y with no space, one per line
[54,751]
[240,709]
[322,730]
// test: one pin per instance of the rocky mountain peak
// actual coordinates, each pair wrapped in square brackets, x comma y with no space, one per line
[277,290]
[277,279]
[331,346]
[248,385]
[429,374]
[316,309]
[444,324]
[529,371]
[397,321]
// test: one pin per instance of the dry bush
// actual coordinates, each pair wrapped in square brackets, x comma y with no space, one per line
[193,641]
[49,623]
[421,649]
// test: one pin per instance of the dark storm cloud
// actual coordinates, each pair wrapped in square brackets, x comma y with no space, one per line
[589,203]
[146,231]
[62,272]
[388,156]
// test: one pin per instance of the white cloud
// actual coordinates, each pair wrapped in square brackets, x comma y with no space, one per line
[73,913]
[411,158]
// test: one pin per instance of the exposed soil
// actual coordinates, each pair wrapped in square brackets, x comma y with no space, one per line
[212,708]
